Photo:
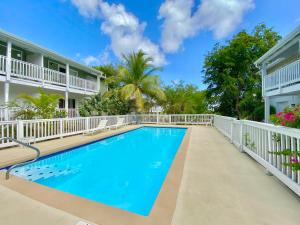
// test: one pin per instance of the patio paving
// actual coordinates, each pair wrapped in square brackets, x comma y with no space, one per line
[220,186]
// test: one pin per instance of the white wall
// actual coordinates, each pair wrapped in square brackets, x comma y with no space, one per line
[281,102]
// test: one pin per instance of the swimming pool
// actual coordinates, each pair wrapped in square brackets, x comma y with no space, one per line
[124,171]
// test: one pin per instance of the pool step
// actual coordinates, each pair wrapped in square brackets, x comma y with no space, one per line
[42,172]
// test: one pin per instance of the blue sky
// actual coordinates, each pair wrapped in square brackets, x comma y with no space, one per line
[177,33]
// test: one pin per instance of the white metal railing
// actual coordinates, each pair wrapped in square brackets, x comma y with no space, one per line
[25,70]
[260,140]
[83,84]
[197,119]
[285,76]
[45,129]
[8,129]
[2,64]
[28,71]
[53,77]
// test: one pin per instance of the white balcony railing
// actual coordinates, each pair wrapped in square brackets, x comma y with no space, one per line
[54,77]
[82,83]
[283,77]
[28,71]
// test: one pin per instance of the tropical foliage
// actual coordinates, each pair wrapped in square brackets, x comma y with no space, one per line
[43,106]
[184,99]
[136,80]
[110,71]
[232,79]
[110,103]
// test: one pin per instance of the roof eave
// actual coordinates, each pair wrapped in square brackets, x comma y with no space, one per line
[279,45]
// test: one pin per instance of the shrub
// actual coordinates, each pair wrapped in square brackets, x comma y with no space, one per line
[290,117]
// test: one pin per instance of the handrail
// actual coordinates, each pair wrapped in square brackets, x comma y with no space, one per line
[38,153]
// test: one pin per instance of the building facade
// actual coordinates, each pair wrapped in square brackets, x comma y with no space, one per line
[24,67]
[280,71]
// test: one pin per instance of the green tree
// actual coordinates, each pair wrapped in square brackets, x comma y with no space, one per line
[137,81]
[111,72]
[184,99]
[43,106]
[233,81]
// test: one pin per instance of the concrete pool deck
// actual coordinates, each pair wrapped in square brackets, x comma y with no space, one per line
[220,186]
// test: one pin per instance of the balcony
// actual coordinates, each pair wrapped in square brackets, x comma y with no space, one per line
[283,80]
[28,72]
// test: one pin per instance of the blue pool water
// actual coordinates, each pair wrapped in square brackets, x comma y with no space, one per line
[125,171]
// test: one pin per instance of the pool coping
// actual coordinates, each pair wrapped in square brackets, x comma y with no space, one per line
[162,210]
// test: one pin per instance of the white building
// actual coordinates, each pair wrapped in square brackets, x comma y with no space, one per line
[25,66]
[280,70]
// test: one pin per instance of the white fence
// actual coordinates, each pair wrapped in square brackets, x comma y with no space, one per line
[189,119]
[45,129]
[260,140]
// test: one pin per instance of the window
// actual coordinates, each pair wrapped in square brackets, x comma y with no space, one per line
[71,105]
[61,104]
[56,66]
[16,54]
[2,49]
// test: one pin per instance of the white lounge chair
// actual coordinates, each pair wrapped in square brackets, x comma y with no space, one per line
[120,122]
[101,126]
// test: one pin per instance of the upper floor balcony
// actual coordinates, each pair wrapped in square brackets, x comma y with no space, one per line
[283,80]
[27,73]
[25,63]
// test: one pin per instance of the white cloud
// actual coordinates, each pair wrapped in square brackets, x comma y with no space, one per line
[91,60]
[219,16]
[102,58]
[124,28]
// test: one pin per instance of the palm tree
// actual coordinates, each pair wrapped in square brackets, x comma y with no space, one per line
[137,81]
[42,106]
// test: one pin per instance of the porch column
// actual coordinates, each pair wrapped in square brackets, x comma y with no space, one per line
[7,81]
[263,76]
[98,84]
[67,103]
[8,61]
[6,100]
[267,109]
[68,76]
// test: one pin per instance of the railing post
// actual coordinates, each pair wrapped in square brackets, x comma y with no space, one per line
[157,118]
[231,131]
[184,119]
[269,149]
[87,123]
[20,130]
[61,124]
[43,76]
[170,119]
[241,136]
